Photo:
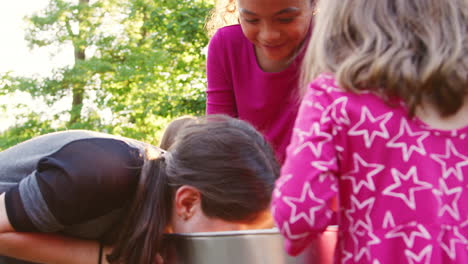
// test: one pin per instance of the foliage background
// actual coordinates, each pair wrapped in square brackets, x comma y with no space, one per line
[137,65]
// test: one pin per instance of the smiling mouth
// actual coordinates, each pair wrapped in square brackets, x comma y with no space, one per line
[268,46]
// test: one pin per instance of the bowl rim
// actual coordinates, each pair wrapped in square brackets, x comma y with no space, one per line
[271,231]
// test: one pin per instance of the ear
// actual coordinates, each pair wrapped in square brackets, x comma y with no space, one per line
[187,199]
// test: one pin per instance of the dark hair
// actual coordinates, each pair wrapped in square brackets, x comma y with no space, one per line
[226,159]
[172,129]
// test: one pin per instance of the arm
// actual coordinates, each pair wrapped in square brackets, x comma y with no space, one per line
[5,225]
[83,181]
[47,248]
[303,199]
[57,195]
[220,93]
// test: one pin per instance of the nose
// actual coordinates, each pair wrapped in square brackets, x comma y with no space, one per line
[269,34]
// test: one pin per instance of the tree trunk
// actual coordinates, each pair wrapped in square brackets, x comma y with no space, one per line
[78,89]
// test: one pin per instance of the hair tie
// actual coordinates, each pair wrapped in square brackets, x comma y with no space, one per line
[165,155]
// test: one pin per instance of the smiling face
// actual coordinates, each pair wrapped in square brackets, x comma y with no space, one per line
[277,28]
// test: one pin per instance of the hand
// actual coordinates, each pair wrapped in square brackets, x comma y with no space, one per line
[159,259]
[5,225]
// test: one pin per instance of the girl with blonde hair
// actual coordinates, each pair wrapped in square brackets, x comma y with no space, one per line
[383,125]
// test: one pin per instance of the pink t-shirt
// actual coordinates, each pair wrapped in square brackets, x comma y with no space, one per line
[402,185]
[238,87]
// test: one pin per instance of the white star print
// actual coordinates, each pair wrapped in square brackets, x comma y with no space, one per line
[286,231]
[326,175]
[314,130]
[464,226]
[363,239]
[313,104]
[424,254]
[365,131]
[280,182]
[414,230]
[324,165]
[405,132]
[324,83]
[456,238]
[303,202]
[448,162]
[347,256]
[277,193]
[316,93]
[465,223]
[329,88]
[406,189]
[448,194]
[388,220]
[356,209]
[339,148]
[331,180]
[337,111]
[361,167]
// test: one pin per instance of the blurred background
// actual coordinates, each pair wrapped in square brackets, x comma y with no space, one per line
[116,66]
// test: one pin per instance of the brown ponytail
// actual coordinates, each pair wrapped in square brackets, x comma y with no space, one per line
[140,238]
[225,159]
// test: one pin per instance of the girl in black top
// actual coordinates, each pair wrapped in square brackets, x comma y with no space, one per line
[217,175]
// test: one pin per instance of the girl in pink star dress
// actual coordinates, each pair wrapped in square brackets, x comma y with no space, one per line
[383,126]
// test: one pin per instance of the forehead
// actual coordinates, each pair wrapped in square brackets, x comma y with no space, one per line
[270,7]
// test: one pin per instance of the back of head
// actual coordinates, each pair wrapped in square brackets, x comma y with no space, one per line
[413,49]
[172,129]
[229,162]
[225,159]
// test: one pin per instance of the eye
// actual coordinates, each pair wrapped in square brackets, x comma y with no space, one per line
[285,20]
[251,21]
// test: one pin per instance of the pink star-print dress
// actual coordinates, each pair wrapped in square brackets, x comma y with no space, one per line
[402,186]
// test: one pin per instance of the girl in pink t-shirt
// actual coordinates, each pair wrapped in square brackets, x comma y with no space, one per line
[383,126]
[253,67]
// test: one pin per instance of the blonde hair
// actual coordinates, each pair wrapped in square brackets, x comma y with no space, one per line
[413,49]
[223,14]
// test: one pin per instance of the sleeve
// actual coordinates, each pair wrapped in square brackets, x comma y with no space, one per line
[82,181]
[306,190]
[219,93]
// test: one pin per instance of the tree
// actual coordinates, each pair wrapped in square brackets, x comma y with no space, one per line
[141,62]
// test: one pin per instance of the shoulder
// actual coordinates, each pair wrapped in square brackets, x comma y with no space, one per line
[101,152]
[99,158]
[95,165]
[229,36]
[61,138]
[324,87]
[21,159]
[231,31]
[57,139]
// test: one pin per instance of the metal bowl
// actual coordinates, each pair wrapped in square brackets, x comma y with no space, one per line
[245,247]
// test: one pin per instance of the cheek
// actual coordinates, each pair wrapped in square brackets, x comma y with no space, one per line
[298,31]
[250,32]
